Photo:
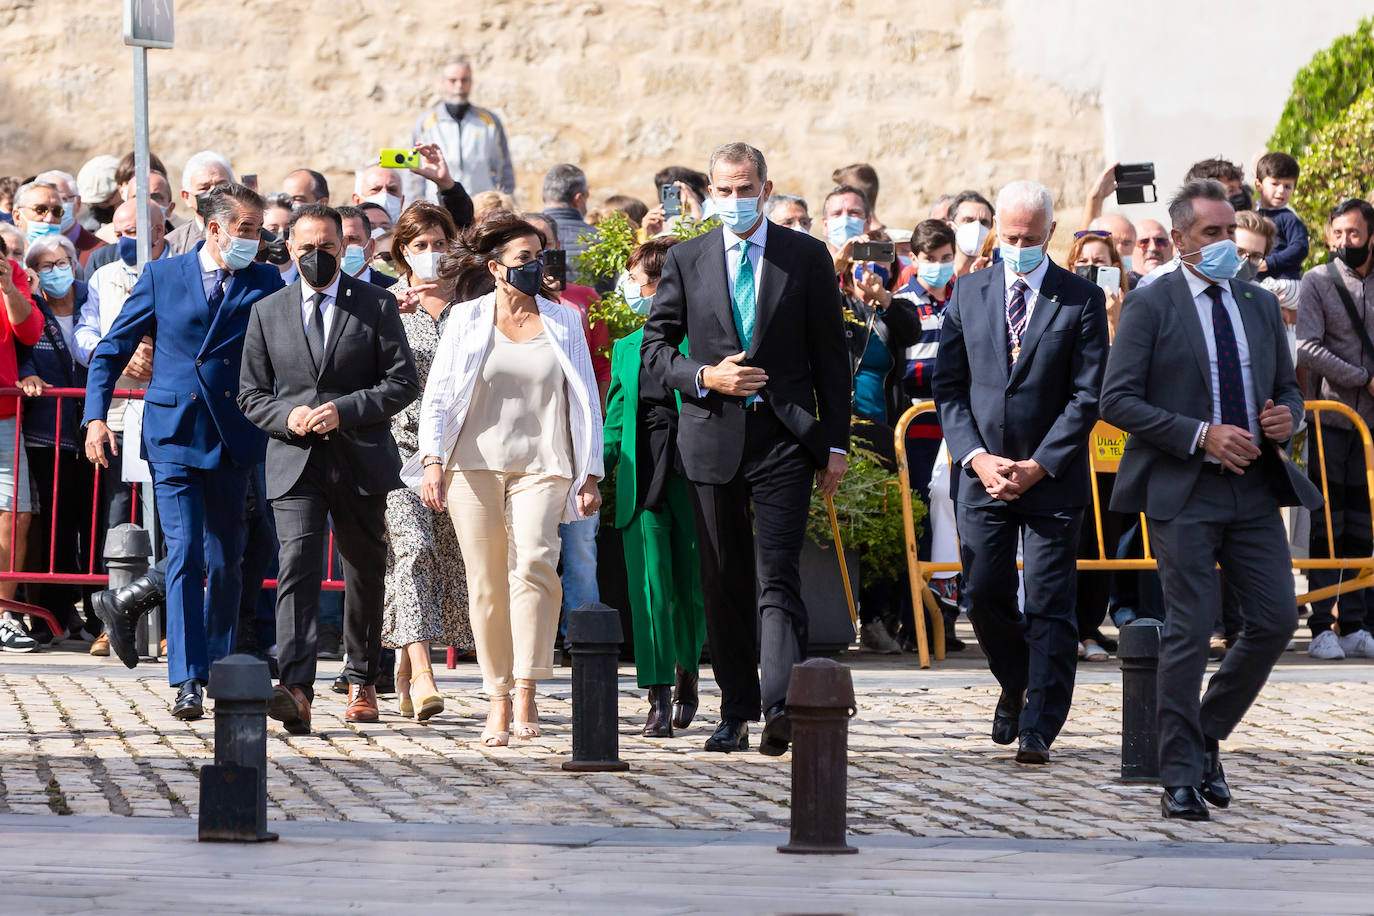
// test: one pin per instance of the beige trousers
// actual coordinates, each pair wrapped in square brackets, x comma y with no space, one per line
[507,527]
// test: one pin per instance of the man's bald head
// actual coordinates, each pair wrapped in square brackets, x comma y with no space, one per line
[125,224]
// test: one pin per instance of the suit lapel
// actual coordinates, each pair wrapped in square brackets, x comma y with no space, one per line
[1046,307]
[994,301]
[343,312]
[295,327]
[1181,296]
[772,275]
[711,266]
[1261,348]
[190,269]
[234,292]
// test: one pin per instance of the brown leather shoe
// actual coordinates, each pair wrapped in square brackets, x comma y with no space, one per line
[362,703]
[101,647]
[291,707]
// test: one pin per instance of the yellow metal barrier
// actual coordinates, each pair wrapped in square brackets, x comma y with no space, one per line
[1106,447]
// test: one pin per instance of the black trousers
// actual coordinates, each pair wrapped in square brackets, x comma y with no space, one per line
[326,490]
[749,536]
[1036,651]
[1349,505]
[1231,521]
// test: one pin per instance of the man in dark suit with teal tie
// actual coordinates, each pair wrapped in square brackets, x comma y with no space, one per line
[1201,377]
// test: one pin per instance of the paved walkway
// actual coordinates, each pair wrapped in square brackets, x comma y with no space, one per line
[83,736]
[147,866]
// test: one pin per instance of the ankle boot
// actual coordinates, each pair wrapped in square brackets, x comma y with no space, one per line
[659,723]
[684,697]
[119,609]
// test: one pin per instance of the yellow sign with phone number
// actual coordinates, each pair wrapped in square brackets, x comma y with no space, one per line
[1109,444]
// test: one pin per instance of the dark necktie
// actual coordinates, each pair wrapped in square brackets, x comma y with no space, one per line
[1230,384]
[1016,320]
[216,297]
[314,335]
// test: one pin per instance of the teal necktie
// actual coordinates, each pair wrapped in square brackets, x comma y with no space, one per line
[742,303]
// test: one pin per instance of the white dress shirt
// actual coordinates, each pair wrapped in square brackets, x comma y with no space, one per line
[757,240]
[1203,302]
[331,292]
[1033,280]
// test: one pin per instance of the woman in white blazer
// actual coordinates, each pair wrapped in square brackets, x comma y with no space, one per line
[510,443]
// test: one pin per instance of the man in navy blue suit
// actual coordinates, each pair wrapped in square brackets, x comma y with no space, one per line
[1017,378]
[199,447]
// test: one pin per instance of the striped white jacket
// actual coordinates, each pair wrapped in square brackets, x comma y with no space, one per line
[458,362]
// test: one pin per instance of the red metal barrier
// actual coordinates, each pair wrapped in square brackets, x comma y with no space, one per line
[91,576]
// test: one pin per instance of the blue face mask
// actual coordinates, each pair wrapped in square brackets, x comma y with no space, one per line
[634,297]
[240,252]
[68,217]
[737,213]
[354,260]
[1022,260]
[128,250]
[936,276]
[1126,263]
[36,231]
[840,229]
[55,281]
[1220,260]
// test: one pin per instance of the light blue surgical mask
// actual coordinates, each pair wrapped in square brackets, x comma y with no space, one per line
[840,229]
[354,260]
[737,213]
[1022,260]
[35,231]
[240,252]
[633,294]
[1126,263]
[68,217]
[936,276]
[55,281]
[1220,260]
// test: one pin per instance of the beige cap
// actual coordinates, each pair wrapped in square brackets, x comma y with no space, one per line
[96,180]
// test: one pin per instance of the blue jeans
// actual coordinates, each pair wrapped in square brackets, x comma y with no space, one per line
[579,566]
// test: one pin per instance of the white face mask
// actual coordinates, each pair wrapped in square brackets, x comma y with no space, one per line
[423,266]
[970,237]
[388,202]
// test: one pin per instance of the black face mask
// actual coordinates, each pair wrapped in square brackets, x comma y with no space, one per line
[103,215]
[1353,256]
[1240,201]
[528,278]
[317,267]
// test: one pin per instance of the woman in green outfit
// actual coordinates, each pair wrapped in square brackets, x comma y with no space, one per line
[654,512]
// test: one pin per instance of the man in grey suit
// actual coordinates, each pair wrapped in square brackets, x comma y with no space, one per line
[325,366]
[1201,378]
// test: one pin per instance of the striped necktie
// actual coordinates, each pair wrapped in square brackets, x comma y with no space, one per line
[1016,321]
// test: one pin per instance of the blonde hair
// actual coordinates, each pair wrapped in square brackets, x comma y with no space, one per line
[487,201]
[1260,224]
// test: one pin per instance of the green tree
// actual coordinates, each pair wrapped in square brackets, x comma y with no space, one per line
[1332,80]
[1337,165]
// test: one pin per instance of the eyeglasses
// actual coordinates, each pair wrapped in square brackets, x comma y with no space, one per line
[55,265]
[803,222]
[1158,241]
[1256,256]
[1095,233]
[44,210]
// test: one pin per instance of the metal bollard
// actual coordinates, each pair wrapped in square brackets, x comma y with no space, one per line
[594,639]
[1138,649]
[128,548]
[233,790]
[820,702]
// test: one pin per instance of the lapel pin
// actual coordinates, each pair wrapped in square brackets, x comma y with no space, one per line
[1248,296]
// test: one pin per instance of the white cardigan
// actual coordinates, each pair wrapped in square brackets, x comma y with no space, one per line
[457,366]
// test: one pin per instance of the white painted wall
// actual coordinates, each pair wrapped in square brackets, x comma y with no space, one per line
[1179,80]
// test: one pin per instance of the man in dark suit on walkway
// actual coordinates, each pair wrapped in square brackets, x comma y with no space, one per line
[198,445]
[325,366]
[1201,378]
[765,409]
[1017,377]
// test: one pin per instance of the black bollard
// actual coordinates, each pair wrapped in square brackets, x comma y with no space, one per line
[1138,649]
[820,702]
[594,642]
[233,790]
[127,550]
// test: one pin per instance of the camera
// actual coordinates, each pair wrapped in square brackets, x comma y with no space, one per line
[399,159]
[1131,182]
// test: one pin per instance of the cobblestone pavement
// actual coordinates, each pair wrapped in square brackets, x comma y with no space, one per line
[87,737]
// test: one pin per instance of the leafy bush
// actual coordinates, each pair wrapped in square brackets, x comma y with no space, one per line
[869,515]
[1332,80]
[1336,166]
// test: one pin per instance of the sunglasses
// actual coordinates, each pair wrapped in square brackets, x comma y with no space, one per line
[44,210]
[1158,241]
[1094,233]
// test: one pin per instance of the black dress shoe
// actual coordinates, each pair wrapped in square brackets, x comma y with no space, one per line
[1184,803]
[777,732]
[730,736]
[1214,787]
[190,702]
[1006,721]
[1032,748]
[340,684]
[120,608]
[659,724]
[684,697]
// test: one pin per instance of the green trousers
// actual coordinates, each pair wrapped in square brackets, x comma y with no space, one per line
[665,588]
